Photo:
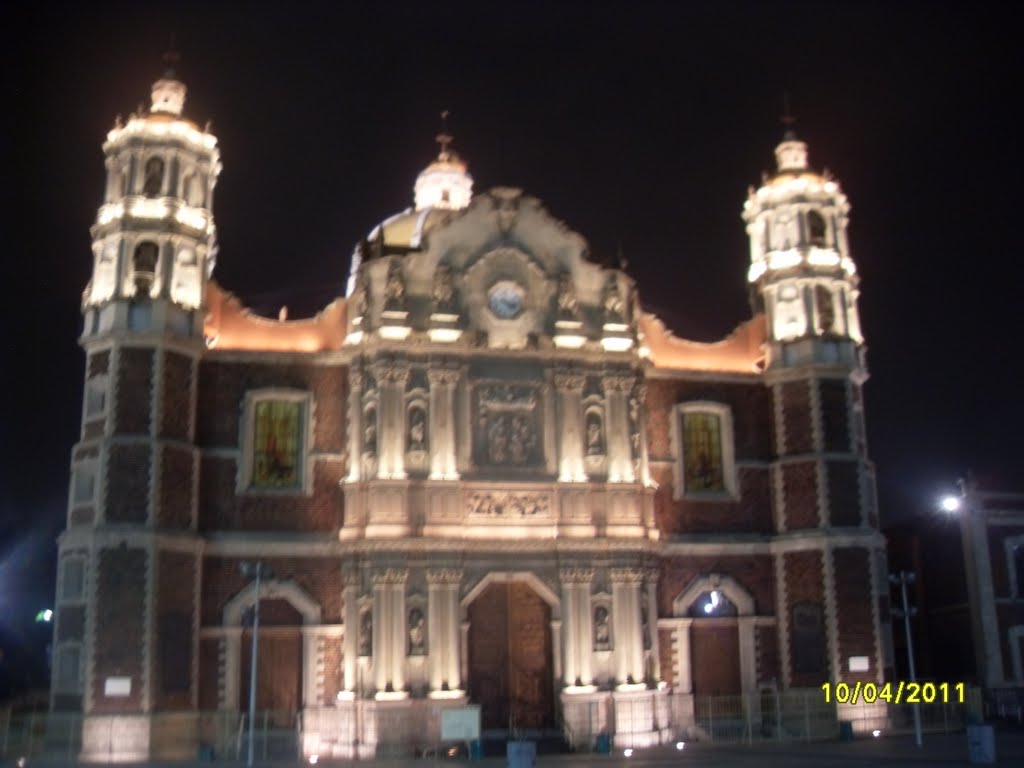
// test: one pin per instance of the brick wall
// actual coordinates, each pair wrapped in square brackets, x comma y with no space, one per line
[767,644]
[751,413]
[796,415]
[750,405]
[319,577]
[800,493]
[804,574]
[855,623]
[176,482]
[128,476]
[754,573]
[209,673]
[177,397]
[119,632]
[175,614]
[835,415]
[715,651]
[843,492]
[221,508]
[134,390]
[222,388]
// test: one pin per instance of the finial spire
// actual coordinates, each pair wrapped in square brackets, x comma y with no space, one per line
[170,58]
[788,120]
[444,138]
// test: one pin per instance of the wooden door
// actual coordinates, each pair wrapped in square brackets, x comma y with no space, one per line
[279,674]
[715,658]
[510,668]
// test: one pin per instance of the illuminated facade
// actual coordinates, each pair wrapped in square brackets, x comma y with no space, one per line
[485,475]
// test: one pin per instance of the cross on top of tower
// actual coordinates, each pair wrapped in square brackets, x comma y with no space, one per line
[444,138]
[788,119]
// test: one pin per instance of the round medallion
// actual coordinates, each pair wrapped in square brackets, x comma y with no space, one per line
[505,299]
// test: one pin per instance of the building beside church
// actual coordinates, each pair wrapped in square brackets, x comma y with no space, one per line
[484,476]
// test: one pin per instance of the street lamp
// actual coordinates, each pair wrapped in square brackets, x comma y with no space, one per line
[903,578]
[256,571]
[950,504]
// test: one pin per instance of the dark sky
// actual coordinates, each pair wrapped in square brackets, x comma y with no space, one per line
[639,124]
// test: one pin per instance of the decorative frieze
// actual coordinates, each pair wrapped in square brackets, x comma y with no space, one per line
[390,576]
[444,575]
[508,505]
[576,575]
[570,381]
[627,575]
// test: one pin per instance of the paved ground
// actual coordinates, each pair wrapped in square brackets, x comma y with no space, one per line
[891,752]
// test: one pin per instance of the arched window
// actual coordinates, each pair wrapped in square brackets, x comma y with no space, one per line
[816,229]
[144,264]
[154,181]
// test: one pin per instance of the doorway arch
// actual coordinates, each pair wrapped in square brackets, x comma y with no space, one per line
[510,649]
[286,675]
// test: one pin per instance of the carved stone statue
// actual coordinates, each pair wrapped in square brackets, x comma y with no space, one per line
[394,288]
[568,306]
[614,306]
[602,629]
[417,430]
[366,633]
[417,633]
[370,433]
[444,289]
[595,439]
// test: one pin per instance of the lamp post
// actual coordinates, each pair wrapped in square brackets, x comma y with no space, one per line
[258,571]
[903,578]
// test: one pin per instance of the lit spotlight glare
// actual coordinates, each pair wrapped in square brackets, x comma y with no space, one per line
[876,733]
[314,759]
[627,752]
[680,745]
[950,504]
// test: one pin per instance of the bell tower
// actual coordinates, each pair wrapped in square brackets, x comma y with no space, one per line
[126,633]
[801,273]
[803,278]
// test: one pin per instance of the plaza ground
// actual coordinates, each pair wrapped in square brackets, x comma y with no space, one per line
[892,752]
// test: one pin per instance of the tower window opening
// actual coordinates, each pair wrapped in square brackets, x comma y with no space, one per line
[154,181]
[816,229]
[144,264]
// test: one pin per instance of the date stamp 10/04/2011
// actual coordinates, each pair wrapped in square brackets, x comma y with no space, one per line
[903,692]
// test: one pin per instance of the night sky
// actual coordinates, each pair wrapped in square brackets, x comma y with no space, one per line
[640,125]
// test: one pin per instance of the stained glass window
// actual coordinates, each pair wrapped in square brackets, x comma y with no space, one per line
[702,452]
[277,442]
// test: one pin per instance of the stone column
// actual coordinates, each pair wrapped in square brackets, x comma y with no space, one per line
[576,582]
[650,597]
[748,651]
[629,649]
[443,633]
[617,390]
[682,636]
[391,443]
[570,428]
[311,661]
[389,629]
[442,424]
[350,617]
[355,424]
[232,667]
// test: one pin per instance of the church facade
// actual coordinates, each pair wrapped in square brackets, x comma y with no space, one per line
[484,476]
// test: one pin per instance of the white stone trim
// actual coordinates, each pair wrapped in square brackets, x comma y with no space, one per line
[732,589]
[1016,590]
[1014,635]
[724,413]
[270,589]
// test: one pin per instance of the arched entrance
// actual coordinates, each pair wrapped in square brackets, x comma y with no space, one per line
[510,664]
[279,663]
[285,662]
